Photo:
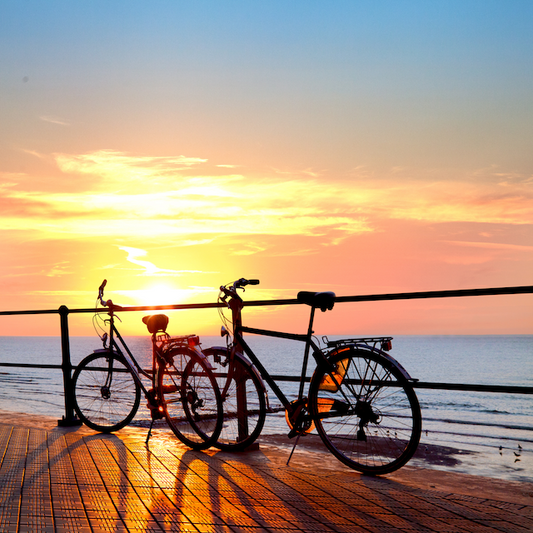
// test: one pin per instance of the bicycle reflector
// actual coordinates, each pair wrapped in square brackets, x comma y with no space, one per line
[386,346]
[193,340]
[332,380]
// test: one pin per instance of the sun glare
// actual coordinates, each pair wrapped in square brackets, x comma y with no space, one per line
[160,295]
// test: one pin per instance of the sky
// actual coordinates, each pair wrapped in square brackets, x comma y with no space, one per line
[361,147]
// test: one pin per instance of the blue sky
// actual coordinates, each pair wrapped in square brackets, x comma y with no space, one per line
[397,82]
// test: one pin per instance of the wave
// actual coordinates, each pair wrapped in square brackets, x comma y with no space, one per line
[474,423]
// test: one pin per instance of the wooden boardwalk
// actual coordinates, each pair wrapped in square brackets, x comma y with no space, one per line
[74,480]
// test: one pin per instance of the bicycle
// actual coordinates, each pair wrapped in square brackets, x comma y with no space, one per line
[107,384]
[360,399]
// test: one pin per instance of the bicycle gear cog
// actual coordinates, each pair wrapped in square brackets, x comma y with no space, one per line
[298,418]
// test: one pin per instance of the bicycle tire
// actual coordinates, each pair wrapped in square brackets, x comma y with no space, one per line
[240,427]
[366,411]
[191,399]
[106,396]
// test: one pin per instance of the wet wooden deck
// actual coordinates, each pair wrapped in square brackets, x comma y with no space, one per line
[73,480]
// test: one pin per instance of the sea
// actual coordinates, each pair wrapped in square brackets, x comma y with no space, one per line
[481,433]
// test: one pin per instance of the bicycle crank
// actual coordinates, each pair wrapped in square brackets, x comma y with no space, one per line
[298,419]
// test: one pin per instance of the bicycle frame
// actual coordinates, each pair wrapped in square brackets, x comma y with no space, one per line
[134,368]
[236,305]
[360,399]
[239,344]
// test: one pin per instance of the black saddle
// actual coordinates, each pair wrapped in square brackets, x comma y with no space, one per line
[323,300]
[156,323]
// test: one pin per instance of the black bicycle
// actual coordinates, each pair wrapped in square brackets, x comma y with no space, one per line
[108,383]
[360,400]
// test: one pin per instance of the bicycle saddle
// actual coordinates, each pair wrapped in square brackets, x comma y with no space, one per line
[156,323]
[323,300]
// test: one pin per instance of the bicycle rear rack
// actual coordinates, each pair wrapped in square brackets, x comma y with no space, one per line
[385,343]
[181,341]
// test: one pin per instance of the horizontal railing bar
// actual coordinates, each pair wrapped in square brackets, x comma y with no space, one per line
[31,312]
[31,365]
[526,289]
[511,389]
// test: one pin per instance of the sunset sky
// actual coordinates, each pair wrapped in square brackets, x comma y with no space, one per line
[359,147]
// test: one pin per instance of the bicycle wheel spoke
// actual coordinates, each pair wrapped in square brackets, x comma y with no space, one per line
[191,399]
[106,395]
[371,421]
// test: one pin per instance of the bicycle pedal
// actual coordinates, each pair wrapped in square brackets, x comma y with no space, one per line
[166,389]
[294,433]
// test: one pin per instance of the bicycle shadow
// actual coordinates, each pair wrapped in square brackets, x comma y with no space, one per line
[215,490]
[70,477]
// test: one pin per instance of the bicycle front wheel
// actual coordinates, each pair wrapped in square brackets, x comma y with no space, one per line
[365,411]
[191,399]
[106,397]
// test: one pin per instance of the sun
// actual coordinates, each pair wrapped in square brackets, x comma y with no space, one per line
[160,294]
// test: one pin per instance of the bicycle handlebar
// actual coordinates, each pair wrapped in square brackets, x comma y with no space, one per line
[231,288]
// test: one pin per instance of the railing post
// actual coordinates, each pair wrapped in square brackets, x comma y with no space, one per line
[69,418]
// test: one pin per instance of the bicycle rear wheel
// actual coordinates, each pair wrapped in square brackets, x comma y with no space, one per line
[365,411]
[191,399]
[106,397]
[243,400]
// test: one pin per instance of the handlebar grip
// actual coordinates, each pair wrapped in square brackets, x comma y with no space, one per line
[101,292]
[243,282]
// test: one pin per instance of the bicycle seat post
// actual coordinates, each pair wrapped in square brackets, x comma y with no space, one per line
[306,353]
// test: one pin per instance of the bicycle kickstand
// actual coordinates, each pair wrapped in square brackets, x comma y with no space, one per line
[149,431]
[294,448]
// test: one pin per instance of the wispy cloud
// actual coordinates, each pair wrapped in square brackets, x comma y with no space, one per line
[150,268]
[249,249]
[112,167]
[491,245]
[58,270]
[456,201]
[54,120]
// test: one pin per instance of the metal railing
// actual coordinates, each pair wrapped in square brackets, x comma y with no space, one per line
[69,418]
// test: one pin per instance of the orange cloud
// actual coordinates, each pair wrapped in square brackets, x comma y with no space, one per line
[176,198]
